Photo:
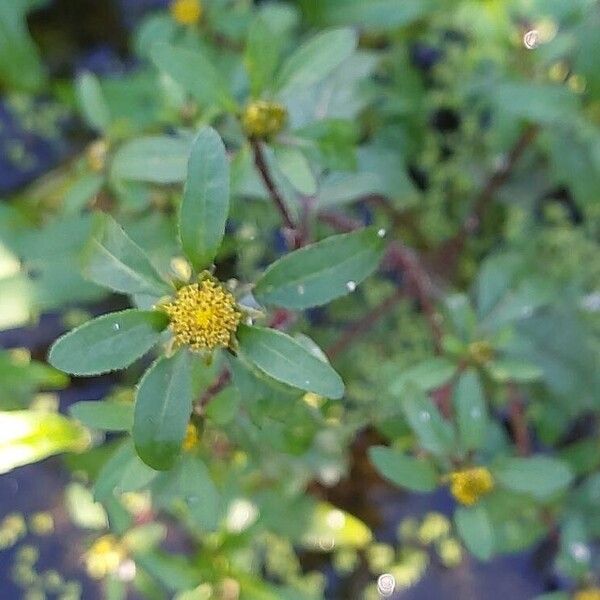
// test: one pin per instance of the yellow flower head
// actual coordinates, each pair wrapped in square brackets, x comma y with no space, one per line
[186,12]
[481,352]
[104,557]
[263,120]
[587,594]
[204,316]
[192,437]
[469,485]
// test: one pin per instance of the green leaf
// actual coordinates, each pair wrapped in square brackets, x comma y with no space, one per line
[92,103]
[427,375]
[475,529]
[296,168]
[117,262]
[107,343]
[540,476]
[321,272]
[513,369]
[205,204]
[29,436]
[194,72]
[286,360]
[224,406]
[316,59]
[162,410]
[173,571]
[435,434]
[82,191]
[191,482]
[155,159]
[261,56]
[101,414]
[471,410]
[416,474]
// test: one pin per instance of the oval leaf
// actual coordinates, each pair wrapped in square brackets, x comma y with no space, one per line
[101,414]
[154,159]
[286,360]
[162,411]
[474,527]
[205,204]
[471,410]
[194,72]
[316,59]
[540,476]
[115,261]
[415,474]
[107,343]
[321,272]
[92,103]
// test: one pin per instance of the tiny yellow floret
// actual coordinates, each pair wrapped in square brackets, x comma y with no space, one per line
[469,485]
[204,316]
[263,119]
[481,352]
[186,12]
[587,594]
[104,557]
[191,439]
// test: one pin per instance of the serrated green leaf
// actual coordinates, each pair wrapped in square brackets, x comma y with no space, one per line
[471,410]
[540,476]
[434,433]
[321,272]
[153,159]
[284,359]
[205,204]
[195,73]
[29,436]
[101,414]
[316,59]
[107,343]
[416,474]
[115,261]
[475,529]
[162,410]
[92,103]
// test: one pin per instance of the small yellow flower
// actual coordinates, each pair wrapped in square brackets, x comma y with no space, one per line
[192,437]
[204,316]
[587,594]
[104,557]
[186,12]
[481,352]
[469,485]
[263,120]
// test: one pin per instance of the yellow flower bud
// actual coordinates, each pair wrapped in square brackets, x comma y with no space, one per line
[186,12]
[192,438]
[469,485]
[481,352]
[263,120]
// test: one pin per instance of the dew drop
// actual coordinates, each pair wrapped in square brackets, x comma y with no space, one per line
[386,584]
[301,289]
[116,327]
[475,413]
[531,39]
[381,233]
[351,285]
[424,416]
[192,499]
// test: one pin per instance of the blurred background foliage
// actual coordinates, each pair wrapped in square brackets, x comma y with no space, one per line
[468,131]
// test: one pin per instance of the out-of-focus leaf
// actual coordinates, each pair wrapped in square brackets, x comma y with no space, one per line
[155,159]
[540,476]
[92,103]
[427,375]
[416,474]
[471,410]
[102,414]
[29,436]
[476,531]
